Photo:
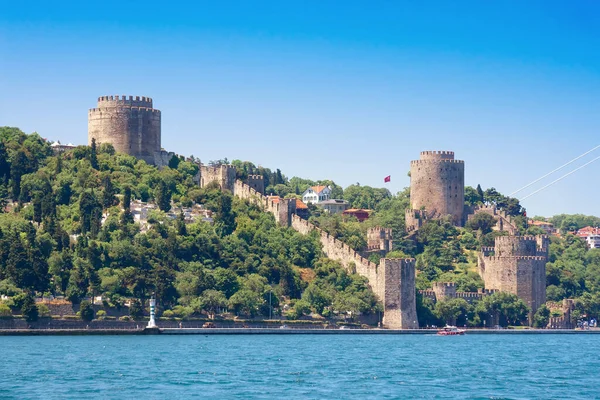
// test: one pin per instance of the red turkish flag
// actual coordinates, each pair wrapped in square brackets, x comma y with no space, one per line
[387,178]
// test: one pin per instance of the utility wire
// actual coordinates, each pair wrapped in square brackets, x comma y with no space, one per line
[564,176]
[553,171]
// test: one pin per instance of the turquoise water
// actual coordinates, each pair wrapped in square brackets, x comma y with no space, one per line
[300,366]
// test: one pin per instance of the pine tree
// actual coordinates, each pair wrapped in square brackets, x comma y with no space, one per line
[4,165]
[94,154]
[37,208]
[480,193]
[17,170]
[162,196]
[108,195]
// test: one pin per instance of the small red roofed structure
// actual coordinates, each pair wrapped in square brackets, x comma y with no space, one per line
[360,213]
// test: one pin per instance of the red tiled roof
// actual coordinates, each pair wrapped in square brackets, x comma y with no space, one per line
[300,205]
[318,189]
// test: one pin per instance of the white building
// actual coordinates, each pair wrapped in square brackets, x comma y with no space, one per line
[316,194]
[593,241]
[334,206]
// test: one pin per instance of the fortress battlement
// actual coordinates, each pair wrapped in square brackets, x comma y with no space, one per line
[508,258]
[437,155]
[513,239]
[444,284]
[255,177]
[128,110]
[130,124]
[430,161]
[120,101]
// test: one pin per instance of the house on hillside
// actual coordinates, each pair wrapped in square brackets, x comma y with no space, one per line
[334,206]
[545,226]
[316,194]
[591,235]
[360,213]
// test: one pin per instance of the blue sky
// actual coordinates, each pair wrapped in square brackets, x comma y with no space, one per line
[350,91]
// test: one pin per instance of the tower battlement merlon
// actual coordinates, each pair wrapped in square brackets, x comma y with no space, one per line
[436,161]
[120,101]
[131,124]
[437,155]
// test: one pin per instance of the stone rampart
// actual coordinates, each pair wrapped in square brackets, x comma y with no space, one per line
[518,266]
[393,280]
[444,290]
[130,124]
[504,222]
[437,186]
[223,175]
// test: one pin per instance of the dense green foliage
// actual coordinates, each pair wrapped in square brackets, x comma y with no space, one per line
[68,234]
[68,231]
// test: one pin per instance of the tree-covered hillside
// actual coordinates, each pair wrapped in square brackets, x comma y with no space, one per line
[68,231]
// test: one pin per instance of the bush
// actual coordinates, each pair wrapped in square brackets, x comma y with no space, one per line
[86,311]
[43,311]
[136,311]
[101,314]
[5,311]
[168,314]
[125,318]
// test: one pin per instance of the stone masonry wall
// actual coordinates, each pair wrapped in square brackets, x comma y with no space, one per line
[518,266]
[437,185]
[130,124]
[393,280]
[223,175]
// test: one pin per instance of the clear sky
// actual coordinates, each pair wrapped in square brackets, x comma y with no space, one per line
[345,90]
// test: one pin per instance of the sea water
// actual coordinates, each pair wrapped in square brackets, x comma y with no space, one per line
[300,366]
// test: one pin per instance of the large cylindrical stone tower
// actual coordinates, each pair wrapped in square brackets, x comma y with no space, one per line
[130,124]
[437,188]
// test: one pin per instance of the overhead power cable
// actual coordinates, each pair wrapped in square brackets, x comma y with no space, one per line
[554,170]
[556,180]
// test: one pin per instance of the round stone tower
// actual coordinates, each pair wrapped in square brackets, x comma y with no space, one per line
[130,124]
[437,187]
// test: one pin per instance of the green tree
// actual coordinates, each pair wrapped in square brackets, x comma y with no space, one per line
[541,317]
[86,311]
[212,301]
[93,154]
[29,310]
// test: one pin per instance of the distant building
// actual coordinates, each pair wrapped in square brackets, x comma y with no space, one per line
[334,206]
[58,148]
[545,226]
[301,209]
[591,235]
[360,213]
[316,194]
[593,241]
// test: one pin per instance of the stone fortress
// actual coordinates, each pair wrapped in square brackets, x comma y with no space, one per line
[437,188]
[131,125]
[517,264]
[392,280]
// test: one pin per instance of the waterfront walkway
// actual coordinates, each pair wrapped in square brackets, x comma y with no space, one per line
[279,331]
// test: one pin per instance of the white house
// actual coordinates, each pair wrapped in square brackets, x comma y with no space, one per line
[334,206]
[316,194]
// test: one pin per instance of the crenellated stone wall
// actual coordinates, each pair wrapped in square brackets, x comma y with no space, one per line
[130,124]
[223,175]
[437,188]
[393,280]
[518,266]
